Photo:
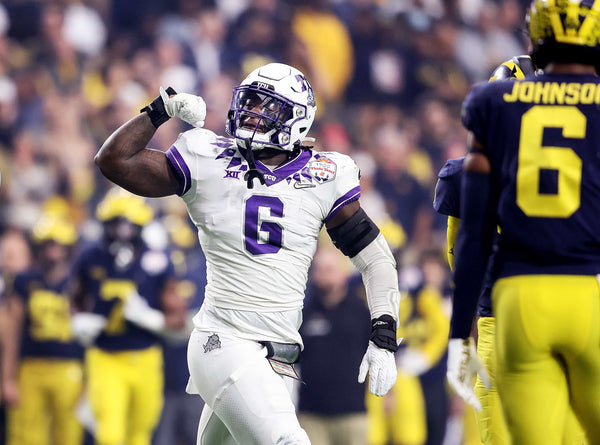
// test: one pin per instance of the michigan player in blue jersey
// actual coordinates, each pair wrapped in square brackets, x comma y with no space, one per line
[126,287]
[42,369]
[532,170]
[484,398]
[490,419]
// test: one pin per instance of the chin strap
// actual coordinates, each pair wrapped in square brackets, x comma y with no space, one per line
[252,172]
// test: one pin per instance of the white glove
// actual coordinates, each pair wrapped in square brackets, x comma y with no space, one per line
[137,310]
[463,366]
[381,366]
[87,326]
[85,415]
[187,107]
[413,362]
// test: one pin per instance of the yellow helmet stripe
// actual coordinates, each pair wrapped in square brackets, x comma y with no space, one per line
[591,19]
[573,31]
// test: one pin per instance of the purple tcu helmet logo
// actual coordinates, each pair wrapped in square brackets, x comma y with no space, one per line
[306,86]
[212,343]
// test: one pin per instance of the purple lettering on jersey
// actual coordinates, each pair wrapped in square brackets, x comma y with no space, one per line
[347,198]
[253,225]
[234,174]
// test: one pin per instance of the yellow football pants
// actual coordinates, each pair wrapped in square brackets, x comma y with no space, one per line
[399,416]
[49,391]
[490,420]
[548,355]
[470,431]
[126,394]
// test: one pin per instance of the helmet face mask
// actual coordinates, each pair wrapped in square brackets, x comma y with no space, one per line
[262,113]
[273,107]
[52,252]
[123,215]
[123,240]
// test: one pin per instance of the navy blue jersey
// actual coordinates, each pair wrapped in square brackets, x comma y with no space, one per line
[47,323]
[447,191]
[542,138]
[447,202]
[109,286]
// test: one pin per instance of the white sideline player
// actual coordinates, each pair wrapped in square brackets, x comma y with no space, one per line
[259,200]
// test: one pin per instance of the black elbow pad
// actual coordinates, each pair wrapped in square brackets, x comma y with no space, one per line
[355,234]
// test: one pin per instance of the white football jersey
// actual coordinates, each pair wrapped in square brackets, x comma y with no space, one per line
[258,242]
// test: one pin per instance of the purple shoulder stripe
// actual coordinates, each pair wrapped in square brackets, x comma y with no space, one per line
[181,168]
[348,197]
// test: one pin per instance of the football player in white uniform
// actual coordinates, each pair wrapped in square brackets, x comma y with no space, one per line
[259,200]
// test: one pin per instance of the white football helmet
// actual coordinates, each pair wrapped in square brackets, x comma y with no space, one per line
[273,107]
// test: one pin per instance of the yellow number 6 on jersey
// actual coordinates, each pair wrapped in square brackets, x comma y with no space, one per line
[534,157]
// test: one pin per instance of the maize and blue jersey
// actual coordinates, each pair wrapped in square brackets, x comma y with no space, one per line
[541,136]
[447,202]
[109,286]
[47,323]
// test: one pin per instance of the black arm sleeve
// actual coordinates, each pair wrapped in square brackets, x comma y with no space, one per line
[354,234]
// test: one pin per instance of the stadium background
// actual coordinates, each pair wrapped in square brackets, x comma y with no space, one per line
[389,78]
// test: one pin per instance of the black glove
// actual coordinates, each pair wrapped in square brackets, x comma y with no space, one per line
[156,109]
[383,332]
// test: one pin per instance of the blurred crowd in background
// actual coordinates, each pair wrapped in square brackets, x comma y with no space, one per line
[389,79]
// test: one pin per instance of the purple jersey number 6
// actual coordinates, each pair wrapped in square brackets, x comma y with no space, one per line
[253,225]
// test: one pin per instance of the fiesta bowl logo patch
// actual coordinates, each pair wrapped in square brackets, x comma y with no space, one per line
[322,169]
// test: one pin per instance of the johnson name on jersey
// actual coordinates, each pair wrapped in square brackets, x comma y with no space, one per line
[259,242]
[538,133]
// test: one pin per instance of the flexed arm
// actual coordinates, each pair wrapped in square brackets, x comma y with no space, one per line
[124,157]
[125,160]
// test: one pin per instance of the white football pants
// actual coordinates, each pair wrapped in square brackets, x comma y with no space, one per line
[247,403]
